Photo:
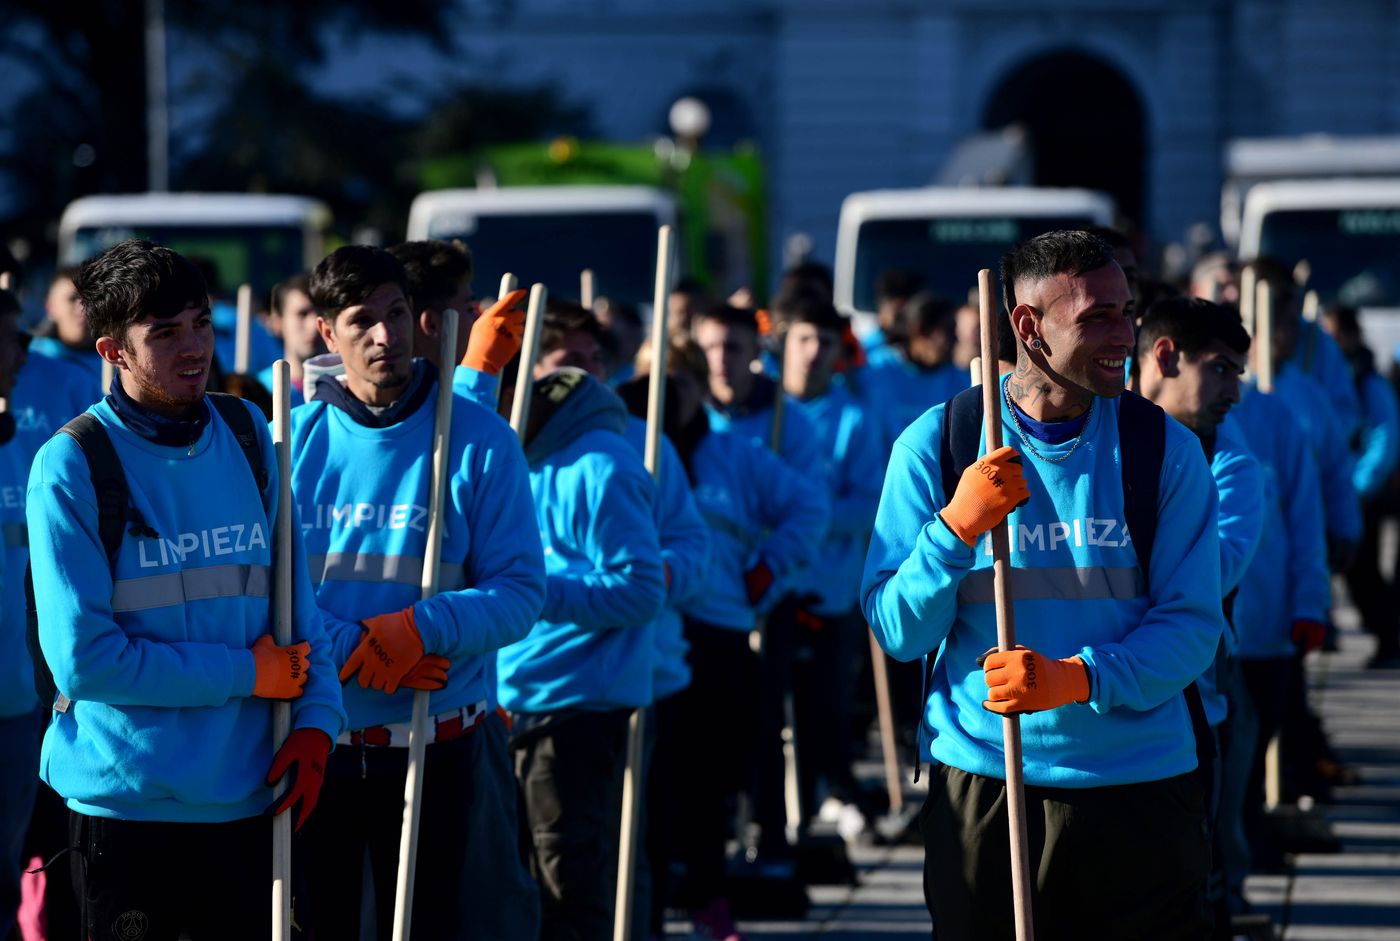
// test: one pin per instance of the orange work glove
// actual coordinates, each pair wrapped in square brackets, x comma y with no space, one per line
[429,674]
[303,756]
[1308,635]
[497,334]
[1021,680]
[279,672]
[764,321]
[987,493]
[390,648]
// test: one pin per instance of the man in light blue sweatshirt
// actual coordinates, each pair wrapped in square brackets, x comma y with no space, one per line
[1118,844]
[361,463]
[160,735]
[21,715]
[571,684]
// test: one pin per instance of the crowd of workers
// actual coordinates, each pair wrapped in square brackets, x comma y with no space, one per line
[1173,566]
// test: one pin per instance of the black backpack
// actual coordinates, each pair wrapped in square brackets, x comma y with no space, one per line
[1142,430]
[115,514]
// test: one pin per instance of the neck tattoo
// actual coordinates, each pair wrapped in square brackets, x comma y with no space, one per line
[1026,437]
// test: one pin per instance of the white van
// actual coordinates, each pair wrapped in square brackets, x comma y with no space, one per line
[1348,232]
[550,234]
[251,238]
[946,234]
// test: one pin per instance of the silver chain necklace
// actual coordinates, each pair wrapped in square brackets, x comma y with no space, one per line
[1026,436]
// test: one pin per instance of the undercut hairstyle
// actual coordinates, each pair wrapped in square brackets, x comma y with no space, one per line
[297,282]
[729,315]
[135,279]
[436,270]
[562,318]
[1065,251]
[897,284]
[350,274]
[9,304]
[806,305]
[923,314]
[1193,324]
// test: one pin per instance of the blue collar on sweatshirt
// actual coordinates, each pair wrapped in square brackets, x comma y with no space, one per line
[1051,432]
[169,432]
[332,392]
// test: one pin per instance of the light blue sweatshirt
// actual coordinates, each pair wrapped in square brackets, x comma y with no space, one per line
[16,671]
[754,420]
[1240,484]
[1078,591]
[899,391]
[1331,449]
[363,496]
[87,360]
[759,510]
[1379,439]
[47,394]
[854,456]
[685,550]
[481,387]
[595,506]
[1287,580]
[263,348]
[1319,358]
[158,664]
[294,394]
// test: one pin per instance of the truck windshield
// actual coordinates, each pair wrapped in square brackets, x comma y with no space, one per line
[946,252]
[620,248]
[256,255]
[1353,254]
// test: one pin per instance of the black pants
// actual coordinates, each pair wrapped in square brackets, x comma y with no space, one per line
[570,777]
[824,679]
[704,759]
[469,882]
[1116,863]
[153,881]
[1375,598]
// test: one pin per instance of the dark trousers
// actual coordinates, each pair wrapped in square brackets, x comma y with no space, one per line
[470,881]
[1268,683]
[1375,598]
[1124,862]
[570,777]
[824,679]
[703,761]
[153,881]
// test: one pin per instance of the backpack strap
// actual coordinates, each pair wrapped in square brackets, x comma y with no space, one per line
[962,437]
[1142,444]
[240,421]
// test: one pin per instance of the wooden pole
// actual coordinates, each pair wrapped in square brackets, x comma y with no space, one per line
[975,368]
[585,282]
[1311,306]
[243,334]
[1006,623]
[885,711]
[432,557]
[1247,282]
[7,281]
[508,284]
[1264,334]
[529,352]
[633,783]
[282,634]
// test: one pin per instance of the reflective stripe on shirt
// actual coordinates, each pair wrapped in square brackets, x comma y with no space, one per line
[374,567]
[215,581]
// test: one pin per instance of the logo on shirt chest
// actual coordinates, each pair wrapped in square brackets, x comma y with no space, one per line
[211,543]
[1048,537]
[361,515]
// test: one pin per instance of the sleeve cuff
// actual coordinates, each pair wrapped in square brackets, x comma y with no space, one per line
[1091,667]
[945,544]
[245,673]
[316,716]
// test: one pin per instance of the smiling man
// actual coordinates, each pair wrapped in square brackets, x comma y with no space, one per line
[157,630]
[1109,484]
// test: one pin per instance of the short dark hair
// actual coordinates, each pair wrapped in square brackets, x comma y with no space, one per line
[806,305]
[297,282]
[136,278]
[729,315]
[897,283]
[922,314]
[1064,251]
[65,273]
[1279,274]
[562,318]
[1346,318]
[1112,236]
[436,269]
[350,274]
[810,273]
[1193,323]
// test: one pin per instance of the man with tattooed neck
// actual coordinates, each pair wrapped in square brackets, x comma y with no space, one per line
[1108,646]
